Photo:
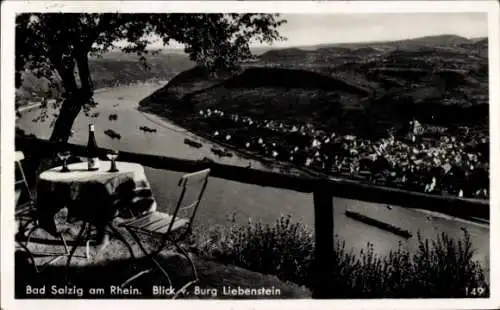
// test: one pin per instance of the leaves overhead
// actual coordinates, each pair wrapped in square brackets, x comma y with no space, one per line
[57,46]
[57,42]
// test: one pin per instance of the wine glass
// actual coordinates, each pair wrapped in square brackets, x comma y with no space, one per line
[112,157]
[64,156]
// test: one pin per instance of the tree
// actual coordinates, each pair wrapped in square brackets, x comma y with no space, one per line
[57,46]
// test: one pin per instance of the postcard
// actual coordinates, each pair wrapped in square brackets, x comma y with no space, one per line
[250,154]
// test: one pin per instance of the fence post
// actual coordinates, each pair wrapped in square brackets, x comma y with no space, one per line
[323,228]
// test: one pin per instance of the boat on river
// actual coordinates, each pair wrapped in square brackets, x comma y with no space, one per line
[147,129]
[113,134]
[221,152]
[192,143]
[379,224]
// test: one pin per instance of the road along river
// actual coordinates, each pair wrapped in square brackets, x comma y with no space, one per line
[224,199]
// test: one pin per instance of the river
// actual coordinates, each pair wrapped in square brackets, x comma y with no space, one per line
[224,199]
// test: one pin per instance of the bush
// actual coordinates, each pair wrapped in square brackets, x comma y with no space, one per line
[439,268]
[284,249]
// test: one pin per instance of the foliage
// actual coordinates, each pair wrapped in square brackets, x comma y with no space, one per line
[440,268]
[108,71]
[58,45]
[283,249]
[46,41]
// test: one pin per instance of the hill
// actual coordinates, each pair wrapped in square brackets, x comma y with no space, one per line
[280,94]
[123,68]
[114,68]
[441,80]
[432,41]
[283,54]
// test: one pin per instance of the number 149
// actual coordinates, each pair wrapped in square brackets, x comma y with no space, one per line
[475,291]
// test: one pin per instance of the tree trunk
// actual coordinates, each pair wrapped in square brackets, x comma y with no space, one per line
[77,97]
[70,109]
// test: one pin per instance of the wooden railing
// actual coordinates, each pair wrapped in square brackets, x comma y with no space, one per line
[323,191]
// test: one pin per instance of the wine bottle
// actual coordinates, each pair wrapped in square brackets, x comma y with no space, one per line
[92,151]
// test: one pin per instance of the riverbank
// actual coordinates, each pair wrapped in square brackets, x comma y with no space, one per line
[272,164]
[269,163]
[30,105]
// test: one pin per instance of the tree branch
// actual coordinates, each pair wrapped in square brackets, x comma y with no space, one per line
[102,26]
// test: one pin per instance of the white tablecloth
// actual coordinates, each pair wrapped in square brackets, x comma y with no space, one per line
[97,196]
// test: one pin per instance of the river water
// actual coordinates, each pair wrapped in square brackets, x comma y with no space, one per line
[226,199]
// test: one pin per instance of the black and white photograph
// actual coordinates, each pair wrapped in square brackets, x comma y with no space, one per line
[196,151]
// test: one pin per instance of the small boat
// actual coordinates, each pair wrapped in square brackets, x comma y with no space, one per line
[192,143]
[221,153]
[113,134]
[147,129]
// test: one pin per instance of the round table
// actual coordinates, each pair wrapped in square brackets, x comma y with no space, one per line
[93,196]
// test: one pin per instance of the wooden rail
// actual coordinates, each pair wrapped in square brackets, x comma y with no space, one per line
[323,192]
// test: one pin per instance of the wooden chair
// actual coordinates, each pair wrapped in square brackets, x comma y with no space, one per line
[24,210]
[170,229]
[25,216]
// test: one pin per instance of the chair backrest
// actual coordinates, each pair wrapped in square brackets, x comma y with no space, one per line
[19,156]
[19,173]
[193,187]
[20,182]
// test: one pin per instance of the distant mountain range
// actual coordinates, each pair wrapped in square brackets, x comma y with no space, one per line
[437,40]
[457,43]
[444,40]
[427,40]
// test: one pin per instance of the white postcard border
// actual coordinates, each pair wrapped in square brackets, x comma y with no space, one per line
[10,8]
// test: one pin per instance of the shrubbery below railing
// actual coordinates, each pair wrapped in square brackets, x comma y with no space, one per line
[439,267]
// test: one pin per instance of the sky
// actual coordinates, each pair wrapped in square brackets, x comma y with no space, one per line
[312,29]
